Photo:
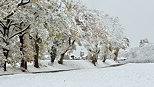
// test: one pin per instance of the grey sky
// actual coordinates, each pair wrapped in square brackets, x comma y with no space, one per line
[137,16]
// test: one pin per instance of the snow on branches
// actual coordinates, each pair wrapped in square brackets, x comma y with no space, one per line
[38,27]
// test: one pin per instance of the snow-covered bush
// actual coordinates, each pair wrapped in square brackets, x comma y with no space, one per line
[144,54]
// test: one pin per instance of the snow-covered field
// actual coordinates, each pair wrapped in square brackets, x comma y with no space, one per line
[45,65]
[129,75]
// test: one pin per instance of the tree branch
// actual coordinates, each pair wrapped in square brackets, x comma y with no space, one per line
[21,23]
[19,32]
[3,38]
[10,24]
[69,40]
[23,3]
[73,42]
[8,15]
[98,51]
[31,37]
[24,33]
[2,32]
[2,24]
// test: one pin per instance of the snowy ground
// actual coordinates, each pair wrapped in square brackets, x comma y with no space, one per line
[129,75]
[68,64]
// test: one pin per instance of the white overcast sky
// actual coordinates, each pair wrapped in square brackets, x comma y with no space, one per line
[137,16]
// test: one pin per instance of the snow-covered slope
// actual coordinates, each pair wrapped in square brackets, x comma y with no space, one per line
[143,54]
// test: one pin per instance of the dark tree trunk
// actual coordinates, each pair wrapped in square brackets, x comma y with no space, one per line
[63,54]
[6,53]
[104,58]
[116,54]
[53,57]
[5,66]
[36,64]
[23,64]
[6,34]
[94,60]
[53,54]
[26,65]
[22,42]
[61,58]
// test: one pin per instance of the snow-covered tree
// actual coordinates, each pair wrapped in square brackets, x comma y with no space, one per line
[62,30]
[116,38]
[36,14]
[143,42]
[8,27]
[91,28]
[31,28]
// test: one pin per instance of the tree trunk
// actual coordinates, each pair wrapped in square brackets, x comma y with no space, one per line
[5,66]
[104,58]
[53,57]
[63,54]
[23,64]
[6,53]
[61,58]
[36,64]
[116,54]
[94,60]
[53,54]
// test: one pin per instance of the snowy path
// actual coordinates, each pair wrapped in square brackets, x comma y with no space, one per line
[129,75]
[55,71]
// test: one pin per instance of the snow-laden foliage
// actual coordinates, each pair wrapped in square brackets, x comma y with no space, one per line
[39,27]
[144,54]
[116,35]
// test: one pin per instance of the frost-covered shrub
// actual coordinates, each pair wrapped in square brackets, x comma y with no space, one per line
[144,54]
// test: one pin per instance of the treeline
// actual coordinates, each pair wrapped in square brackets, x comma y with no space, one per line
[31,28]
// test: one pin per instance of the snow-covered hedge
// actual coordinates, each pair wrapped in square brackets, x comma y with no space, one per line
[143,54]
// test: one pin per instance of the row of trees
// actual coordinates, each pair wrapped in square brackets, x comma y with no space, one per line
[31,28]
